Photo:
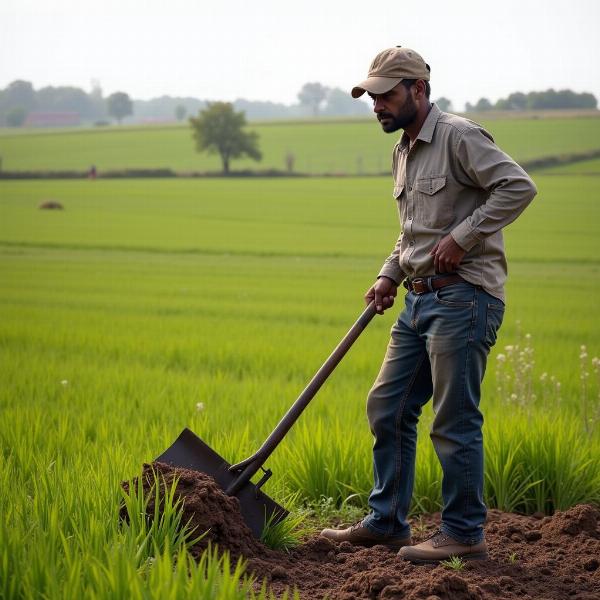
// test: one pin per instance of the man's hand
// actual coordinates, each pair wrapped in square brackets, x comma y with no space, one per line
[447,255]
[383,292]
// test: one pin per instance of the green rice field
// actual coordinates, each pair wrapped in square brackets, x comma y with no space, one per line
[349,147]
[150,305]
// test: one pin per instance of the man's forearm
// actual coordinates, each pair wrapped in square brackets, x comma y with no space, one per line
[511,189]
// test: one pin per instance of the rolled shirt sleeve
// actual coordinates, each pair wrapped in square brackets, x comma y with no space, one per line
[510,188]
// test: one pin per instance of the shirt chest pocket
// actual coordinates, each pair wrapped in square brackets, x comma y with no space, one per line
[435,206]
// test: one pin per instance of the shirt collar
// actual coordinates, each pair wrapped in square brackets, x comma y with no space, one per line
[428,127]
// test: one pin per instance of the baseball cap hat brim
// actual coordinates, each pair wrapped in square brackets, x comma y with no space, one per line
[375,85]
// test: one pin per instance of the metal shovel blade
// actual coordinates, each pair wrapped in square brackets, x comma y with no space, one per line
[190,452]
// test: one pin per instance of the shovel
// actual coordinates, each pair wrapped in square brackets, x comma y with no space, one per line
[190,452]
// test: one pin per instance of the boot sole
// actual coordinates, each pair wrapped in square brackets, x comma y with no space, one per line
[437,561]
[370,544]
[391,545]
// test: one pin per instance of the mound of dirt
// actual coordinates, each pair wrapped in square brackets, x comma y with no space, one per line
[530,557]
[582,519]
[51,205]
[207,509]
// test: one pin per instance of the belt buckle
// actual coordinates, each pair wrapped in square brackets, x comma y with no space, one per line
[421,285]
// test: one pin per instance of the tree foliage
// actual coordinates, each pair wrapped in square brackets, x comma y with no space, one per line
[180,112]
[444,104]
[545,100]
[218,129]
[65,99]
[483,104]
[312,95]
[119,106]
[339,102]
[16,116]
[21,94]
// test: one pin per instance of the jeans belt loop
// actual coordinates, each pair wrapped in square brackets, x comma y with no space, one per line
[429,284]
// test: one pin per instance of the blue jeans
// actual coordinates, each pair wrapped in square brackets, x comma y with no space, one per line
[438,349]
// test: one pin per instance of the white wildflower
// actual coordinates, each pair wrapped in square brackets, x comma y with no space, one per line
[200,406]
[64,382]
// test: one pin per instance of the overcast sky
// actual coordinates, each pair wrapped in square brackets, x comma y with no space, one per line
[266,49]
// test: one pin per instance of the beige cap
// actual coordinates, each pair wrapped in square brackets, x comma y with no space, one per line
[389,68]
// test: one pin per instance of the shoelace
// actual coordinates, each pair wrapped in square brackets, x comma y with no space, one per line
[435,534]
[356,526]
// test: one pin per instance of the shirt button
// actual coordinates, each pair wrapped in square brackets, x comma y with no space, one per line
[409,217]
[412,244]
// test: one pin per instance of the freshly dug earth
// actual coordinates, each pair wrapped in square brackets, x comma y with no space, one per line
[537,557]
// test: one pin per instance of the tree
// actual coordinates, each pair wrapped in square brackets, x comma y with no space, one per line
[341,103]
[483,104]
[312,95]
[180,112]
[20,93]
[219,129]
[65,99]
[517,101]
[119,106]
[444,104]
[16,116]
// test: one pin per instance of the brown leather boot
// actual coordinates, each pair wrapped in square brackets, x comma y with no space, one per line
[362,536]
[440,546]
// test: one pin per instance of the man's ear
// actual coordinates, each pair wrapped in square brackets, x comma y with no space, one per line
[419,88]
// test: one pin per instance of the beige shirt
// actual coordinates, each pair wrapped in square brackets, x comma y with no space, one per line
[454,179]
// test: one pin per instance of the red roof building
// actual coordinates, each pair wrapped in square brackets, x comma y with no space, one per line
[52,119]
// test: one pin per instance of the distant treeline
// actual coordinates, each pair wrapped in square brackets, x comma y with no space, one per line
[548,100]
[21,104]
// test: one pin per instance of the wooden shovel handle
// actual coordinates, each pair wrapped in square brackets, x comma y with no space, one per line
[248,467]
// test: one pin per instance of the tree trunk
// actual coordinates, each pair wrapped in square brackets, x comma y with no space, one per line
[225,160]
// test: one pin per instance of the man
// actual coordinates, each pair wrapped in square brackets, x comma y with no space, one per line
[455,191]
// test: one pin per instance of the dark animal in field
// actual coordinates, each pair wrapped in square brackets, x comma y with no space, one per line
[51,205]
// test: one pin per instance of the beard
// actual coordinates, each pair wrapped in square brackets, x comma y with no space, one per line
[406,115]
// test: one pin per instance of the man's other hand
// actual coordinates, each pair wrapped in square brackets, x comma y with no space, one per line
[447,255]
[383,292]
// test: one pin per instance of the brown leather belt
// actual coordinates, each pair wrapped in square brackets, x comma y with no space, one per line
[424,285]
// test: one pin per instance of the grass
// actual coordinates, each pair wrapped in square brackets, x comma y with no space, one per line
[351,147]
[454,563]
[144,299]
[161,531]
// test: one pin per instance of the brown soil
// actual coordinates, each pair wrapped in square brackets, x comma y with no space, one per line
[554,558]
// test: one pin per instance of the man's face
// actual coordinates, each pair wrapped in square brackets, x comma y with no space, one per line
[395,109]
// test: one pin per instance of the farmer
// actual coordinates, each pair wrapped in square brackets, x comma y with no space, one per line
[455,191]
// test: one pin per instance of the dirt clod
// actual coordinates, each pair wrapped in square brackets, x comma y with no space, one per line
[556,557]
[591,564]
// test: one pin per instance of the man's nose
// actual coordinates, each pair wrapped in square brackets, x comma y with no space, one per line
[378,105]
